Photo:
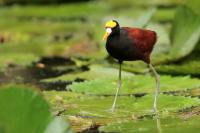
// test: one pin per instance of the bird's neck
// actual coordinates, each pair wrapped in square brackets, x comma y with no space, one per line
[116,32]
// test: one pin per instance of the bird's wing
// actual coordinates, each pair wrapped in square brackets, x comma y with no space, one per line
[143,39]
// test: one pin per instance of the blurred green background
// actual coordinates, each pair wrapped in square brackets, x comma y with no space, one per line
[74,30]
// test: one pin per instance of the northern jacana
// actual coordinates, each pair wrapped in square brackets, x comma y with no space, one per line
[130,44]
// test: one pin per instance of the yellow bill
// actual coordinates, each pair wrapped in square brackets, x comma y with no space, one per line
[108,32]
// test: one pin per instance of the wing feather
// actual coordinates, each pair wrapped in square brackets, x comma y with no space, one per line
[143,39]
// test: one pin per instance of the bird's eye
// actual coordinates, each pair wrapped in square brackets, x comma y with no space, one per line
[108,30]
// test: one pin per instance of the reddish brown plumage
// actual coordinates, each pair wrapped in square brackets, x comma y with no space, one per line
[144,40]
[130,44]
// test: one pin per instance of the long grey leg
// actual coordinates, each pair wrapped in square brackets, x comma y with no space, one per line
[118,87]
[157,77]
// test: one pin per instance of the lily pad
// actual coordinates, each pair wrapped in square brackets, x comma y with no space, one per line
[95,71]
[168,125]
[143,20]
[185,32]
[66,12]
[90,110]
[128,3]
[134,85]
[164,14]
[23,110]
[14,58]
[185,68]
[194,5]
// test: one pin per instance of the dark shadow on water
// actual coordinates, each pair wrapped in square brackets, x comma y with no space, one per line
[92,129]
[47,67]
[58,85]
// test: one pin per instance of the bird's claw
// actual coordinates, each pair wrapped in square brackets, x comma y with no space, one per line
[111,110]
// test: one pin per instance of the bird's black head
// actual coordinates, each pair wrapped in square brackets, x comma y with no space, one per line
[112,27]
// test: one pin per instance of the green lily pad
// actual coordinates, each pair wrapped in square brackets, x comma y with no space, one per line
[86,110]
[185,68]
[23,110]
[128,3]
[143,20]
[98,106]
[134,85]
[62,11]
[194,5]
[95,71]
[164,14]
[185,32]
[19,59]
[168,125]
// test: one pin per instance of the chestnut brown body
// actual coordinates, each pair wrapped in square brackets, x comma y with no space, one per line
[129,44]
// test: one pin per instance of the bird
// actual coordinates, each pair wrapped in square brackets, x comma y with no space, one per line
[131,44]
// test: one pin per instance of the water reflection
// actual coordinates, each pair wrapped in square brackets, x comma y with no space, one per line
[158,124]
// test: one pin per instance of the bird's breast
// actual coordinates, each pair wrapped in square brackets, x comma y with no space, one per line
[121,48]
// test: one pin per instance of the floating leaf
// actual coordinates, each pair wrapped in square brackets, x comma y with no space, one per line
[164,14]
[134,85]
[94,72]
[96,108]
[143,20]
[168,125]
[20,59]
[128,3]
[66,12]
[185,68]
[194,5]
[185,32]
[24,111]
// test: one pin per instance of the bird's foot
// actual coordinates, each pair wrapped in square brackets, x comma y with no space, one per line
[112,109]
